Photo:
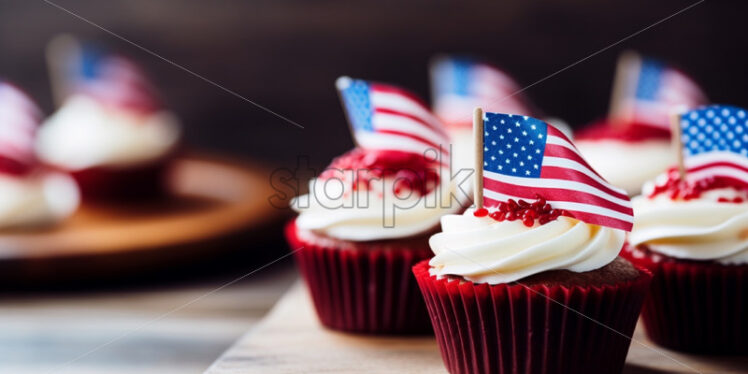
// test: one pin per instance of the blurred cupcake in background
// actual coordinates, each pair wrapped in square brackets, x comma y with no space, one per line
[461,84]
[30,195]
[111,131]
[367,218]
[632,145]
[690,230]
[532,279]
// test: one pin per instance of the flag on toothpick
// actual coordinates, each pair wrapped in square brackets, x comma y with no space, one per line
[524,157]
[461,84]
[714,143]
[87,69]
[646,91]
[386,117]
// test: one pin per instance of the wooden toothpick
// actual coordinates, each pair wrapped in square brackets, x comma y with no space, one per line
[478,134]
[62,52]
[629,63]
[677,141]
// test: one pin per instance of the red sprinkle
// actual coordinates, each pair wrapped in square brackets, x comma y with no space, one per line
[482,212]
[525,211]
[413,172]
[676,189]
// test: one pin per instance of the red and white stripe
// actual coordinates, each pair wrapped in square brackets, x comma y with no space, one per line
[489,88]
[122,83]
[728,166]
[402,122]
[676,92]
[567,182]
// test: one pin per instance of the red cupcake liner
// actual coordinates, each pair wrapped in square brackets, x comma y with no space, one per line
[694,306]
[510,328]
[364,288]
[139,182]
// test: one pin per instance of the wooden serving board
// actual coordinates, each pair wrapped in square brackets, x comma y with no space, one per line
[291,340]
[210,200]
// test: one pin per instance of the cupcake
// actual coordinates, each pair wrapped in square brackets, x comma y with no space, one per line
[30,196]
[459,85]
[111,133]
[532,281]
[691,233]
[368,216]
[633,145]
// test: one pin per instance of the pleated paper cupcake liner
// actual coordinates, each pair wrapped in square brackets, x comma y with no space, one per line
[364,287]
[510,328]
[141,182]
[695,306]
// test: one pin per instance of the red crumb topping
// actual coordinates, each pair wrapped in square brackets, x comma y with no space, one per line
[633,132]
[412,172]
[678,189]
[527,212]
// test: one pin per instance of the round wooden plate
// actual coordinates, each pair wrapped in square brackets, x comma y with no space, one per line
[211,200]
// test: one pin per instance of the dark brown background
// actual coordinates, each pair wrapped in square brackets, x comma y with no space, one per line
[286,54]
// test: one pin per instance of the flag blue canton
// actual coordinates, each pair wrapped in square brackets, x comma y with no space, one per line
[461,76]
[91,59]
[513,145]
[715,128]
[650,79]
[452,76]
[357,99]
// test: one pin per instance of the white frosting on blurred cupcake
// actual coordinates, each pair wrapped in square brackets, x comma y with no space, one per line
[87,133]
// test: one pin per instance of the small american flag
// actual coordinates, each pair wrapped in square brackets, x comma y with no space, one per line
[110,78]
[462,84]
[652,91]
[385,117]
[19,118]
[524,156]
[715,143]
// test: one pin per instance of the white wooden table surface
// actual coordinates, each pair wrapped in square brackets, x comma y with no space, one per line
[121,330]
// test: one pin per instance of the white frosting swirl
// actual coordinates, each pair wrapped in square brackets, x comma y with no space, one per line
[697,229]
[37,199]
[334,209]
[84,133]
[483,250]
[628,164]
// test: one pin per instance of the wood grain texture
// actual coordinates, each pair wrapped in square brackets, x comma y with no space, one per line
[291,340]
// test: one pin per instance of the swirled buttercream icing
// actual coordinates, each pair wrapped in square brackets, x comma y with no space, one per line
[711,226]
[484,250]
